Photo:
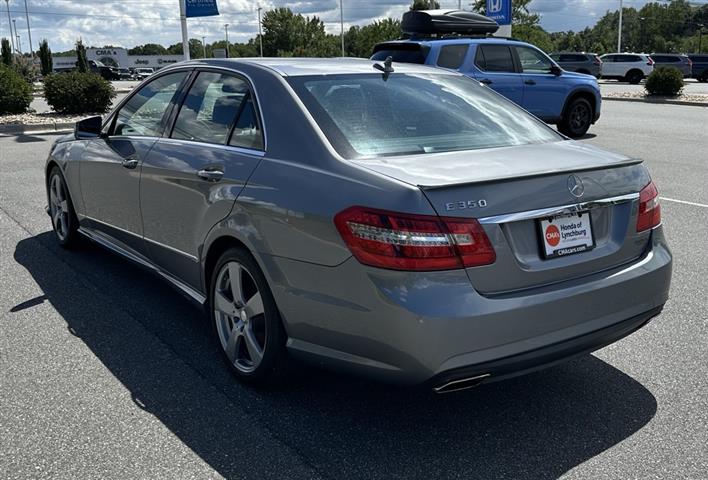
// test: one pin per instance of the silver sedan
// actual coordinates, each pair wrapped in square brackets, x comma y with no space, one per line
[398,221]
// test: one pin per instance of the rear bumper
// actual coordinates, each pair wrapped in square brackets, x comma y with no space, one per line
[433,327]
[548,356]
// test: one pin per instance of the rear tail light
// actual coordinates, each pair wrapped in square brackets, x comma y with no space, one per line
[597,61]
[649,209]
[650,61]
[690,62]
[402,241]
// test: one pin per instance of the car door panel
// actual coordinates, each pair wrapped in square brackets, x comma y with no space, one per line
[496,69]
[110,183]
[191,181]
[544,92]
[111,164]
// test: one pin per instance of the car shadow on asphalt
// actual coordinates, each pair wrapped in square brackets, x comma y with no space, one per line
[536,426]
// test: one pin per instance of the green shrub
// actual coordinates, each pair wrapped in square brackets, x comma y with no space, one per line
[78,92]
[664,81]
[15,92]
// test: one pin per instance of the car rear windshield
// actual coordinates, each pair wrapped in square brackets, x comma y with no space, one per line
[403,53]
[364,115]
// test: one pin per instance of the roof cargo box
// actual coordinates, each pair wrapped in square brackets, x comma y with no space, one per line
[429,22]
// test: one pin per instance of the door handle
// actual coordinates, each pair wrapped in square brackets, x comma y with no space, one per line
[130,163]
[486,81]
[210,175]
[530,82]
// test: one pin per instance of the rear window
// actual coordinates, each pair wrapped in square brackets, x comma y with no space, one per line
[404,53]
[495,58]
[665,58]
[698,58]
[572,58]
[451,56]
[364,116]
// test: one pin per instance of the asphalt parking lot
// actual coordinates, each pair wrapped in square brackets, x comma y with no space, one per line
[691,87]
[105,372]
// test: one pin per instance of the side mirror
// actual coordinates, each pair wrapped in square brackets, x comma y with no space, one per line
[556,70]
[88,128]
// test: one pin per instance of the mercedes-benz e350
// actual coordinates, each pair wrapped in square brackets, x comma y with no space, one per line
[394,220]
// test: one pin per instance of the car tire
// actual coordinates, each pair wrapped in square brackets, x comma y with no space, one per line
[65,223]
[577,118]
[245,320]
[704,77]
[634,77]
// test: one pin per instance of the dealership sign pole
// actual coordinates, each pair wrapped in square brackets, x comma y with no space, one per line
[500,12]
[194,8]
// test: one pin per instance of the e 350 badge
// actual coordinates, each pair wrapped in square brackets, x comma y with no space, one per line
[466,204]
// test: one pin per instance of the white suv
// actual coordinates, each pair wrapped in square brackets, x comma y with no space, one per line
[630,67]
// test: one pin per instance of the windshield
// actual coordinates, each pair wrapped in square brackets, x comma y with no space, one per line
[365,116]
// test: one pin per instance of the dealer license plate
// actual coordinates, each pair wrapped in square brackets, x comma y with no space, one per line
[566,234]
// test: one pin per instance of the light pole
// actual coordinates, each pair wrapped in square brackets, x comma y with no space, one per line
[260,32]
[341,24]
[17,37]
[700,36]
[619,31]
[204,46]
[29,32]
[183,26]
[641,34]
[226,28]
[9,22]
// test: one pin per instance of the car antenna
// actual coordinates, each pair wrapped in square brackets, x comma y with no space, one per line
[386,68]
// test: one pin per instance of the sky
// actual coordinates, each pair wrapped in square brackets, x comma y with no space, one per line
[134,22]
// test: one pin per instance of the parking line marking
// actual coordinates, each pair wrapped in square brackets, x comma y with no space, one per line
[685,202]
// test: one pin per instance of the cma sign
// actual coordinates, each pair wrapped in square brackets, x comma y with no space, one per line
[500,11]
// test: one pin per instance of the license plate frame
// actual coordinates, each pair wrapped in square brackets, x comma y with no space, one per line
[569,230]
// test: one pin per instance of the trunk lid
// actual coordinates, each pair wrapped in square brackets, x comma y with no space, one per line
[510,190]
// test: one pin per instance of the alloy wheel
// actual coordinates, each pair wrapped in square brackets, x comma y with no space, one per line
[59,207]
[579,117]
[240,316]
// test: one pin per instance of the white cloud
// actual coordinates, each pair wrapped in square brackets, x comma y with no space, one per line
[132,22]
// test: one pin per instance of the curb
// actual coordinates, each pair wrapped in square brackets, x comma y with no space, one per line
[656,101]
[52,127]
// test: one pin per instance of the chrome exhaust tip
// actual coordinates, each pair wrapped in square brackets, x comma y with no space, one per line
[461,384]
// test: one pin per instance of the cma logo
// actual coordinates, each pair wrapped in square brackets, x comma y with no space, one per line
[106,52]
[494,6]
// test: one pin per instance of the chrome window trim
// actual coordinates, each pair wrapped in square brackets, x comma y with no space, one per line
[244,150]
[155,242]
[551,211]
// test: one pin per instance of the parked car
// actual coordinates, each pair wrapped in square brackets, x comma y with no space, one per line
[517,70]
[700,67]
[396,220]
[109,73]
[680,62]
[144,72]
[125,74]
[628,67]
[580,62]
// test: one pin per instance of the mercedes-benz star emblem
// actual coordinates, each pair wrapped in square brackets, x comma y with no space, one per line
[575,186]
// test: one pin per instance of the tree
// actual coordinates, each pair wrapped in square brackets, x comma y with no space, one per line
[6,52]
[366,37]
[148,49]
[286,34]
[425,5]
[81,61]
[45,58]
[195,49]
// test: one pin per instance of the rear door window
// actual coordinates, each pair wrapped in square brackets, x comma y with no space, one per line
[219,109]
[452,56]
[495,58]
[403,53]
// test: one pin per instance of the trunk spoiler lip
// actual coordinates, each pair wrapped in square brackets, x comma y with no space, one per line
[623,163]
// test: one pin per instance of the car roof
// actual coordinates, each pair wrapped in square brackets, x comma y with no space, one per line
[457,41]
[293,67]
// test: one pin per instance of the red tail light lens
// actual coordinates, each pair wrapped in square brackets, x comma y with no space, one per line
[649,209]
[650,62]
[690,62]
[597,61]
[402,241]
